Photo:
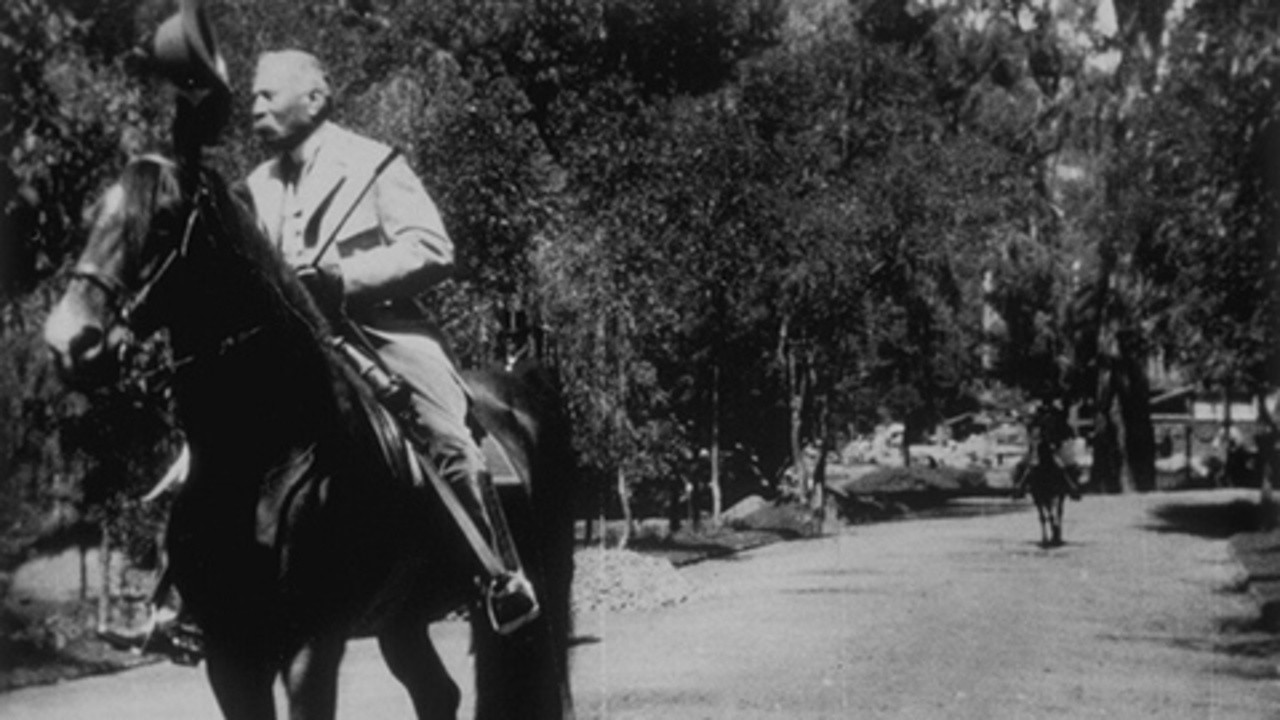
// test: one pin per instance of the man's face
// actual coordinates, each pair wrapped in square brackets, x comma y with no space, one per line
[284,105]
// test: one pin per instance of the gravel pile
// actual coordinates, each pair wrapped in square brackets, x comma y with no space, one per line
[612,580]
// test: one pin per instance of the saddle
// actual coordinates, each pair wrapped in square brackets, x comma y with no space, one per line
[290,487]
[390,396]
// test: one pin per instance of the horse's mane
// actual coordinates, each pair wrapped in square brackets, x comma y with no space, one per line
[155,184]
[229,232]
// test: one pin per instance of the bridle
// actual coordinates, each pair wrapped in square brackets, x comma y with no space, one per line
[124,301]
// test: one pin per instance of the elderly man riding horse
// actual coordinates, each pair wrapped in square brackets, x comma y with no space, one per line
[307,515]
[326,183]
[365,237]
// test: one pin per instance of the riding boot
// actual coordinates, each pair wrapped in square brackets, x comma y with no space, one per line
[1073,487]
[508,596]
[1019,489]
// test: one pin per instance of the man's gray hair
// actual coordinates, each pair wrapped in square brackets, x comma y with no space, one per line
[305,68]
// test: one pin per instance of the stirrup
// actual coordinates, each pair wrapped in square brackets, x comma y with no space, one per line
[510,603]
[174,637]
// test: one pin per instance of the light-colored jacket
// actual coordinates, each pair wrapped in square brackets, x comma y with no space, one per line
[389,244]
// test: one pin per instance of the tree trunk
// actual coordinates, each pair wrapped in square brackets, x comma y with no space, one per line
[1267,463]
[1124,473]
[104,590]
[677,506]
[84,572]
[620,428]
[1135,410]
[906,444]
[1189,473]
[1106,462]
[692,513]
[1226,416]
[624,498]
[795,400]
[717,497]
[818,499]
[797,415]
[1105,472]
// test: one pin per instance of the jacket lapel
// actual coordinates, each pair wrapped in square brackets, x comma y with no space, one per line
[316,193]
[267,190]
[334,185]
[316,218]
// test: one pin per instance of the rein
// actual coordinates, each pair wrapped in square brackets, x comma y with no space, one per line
[125,302]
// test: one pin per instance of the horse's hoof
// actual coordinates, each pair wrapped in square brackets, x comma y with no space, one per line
[178,640]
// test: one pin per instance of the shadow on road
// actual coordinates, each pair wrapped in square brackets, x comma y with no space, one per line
[1037,549]
[972,507]
[1208,520]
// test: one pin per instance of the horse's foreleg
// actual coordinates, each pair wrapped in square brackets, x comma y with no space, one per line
[311,679]
[241,683]
[1043,515]
[414,661]
[1057,519]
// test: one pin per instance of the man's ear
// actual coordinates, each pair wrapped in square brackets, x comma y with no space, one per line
[315,102]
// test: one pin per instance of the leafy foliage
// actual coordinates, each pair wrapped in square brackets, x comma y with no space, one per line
[71,107]
[747,223]
[1197,212]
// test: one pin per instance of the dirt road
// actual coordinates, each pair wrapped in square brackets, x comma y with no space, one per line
[946,618]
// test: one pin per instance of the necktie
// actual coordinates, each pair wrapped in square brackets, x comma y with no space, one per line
[290,207]
[290,169]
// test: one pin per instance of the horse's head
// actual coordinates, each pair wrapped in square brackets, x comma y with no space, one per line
[138,232]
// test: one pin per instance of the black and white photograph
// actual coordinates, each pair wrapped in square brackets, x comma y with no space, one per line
[640,359]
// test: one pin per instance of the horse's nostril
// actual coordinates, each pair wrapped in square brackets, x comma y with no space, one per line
[86,345]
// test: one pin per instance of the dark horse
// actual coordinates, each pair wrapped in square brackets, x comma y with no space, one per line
[292,533]
[1049,484]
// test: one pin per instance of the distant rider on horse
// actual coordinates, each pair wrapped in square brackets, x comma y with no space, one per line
[1049,433]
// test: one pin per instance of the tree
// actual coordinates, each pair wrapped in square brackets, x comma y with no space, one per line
[73,106]
[1197,213]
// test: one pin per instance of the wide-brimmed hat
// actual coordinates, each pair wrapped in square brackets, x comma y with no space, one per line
[186,51]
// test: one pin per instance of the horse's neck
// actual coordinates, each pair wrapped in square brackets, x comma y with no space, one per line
[251,378]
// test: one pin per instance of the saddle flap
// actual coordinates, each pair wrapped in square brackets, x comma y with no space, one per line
[280,489]
[284,485]
[393,446]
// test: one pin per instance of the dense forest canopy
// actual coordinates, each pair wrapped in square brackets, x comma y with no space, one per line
[747,225]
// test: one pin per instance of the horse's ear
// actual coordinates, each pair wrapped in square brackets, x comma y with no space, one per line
[185,51]
[197,122]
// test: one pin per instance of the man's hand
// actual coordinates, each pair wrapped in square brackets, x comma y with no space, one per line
[324,283]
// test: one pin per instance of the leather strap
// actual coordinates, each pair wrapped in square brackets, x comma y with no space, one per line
[502,539]
[424,472]
[492,564]
[392,154]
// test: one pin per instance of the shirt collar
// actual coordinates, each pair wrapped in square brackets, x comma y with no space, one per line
[305,153]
